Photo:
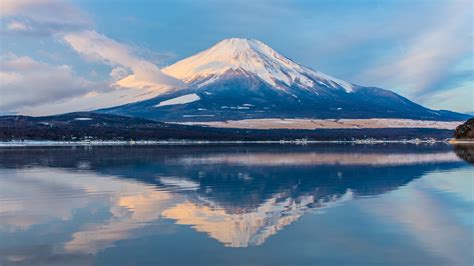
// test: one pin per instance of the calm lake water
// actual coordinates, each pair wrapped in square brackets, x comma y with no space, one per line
[237,205]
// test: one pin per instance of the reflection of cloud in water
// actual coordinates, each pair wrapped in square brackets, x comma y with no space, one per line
[46,194]
[128,213]
[35,196]
[443,235]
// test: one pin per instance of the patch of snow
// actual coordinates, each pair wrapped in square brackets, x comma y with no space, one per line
[327,80]
[83,118]
[188,98]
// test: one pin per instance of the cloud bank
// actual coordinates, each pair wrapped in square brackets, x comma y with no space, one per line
[26,82]
[32,87]
[431,55]
[41,17]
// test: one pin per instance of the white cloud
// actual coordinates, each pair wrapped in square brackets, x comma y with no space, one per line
[41,17]
[92,100]
[25,82]
[118,73]
[32,87]
[460,98]
[145,76]
[430,55]
[17,26]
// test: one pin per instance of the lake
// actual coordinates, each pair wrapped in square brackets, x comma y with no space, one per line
[318,204]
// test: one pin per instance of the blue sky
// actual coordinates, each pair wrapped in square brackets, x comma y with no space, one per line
[59,56]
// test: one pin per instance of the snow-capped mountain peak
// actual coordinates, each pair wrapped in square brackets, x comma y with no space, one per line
[252,57]
[242,79]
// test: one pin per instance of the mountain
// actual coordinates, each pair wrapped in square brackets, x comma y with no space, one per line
[246,79]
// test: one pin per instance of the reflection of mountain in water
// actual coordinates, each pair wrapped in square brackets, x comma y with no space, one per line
[241,227]
[241,195]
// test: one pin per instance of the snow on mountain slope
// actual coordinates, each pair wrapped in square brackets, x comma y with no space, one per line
[188,98]
[251,57]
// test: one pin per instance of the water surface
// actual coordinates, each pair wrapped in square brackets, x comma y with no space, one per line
[236,205]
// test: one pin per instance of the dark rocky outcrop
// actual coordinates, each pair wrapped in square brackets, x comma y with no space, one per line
[466,130]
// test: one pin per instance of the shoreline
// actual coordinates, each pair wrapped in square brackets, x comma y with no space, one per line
[461,141]
[32,143]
